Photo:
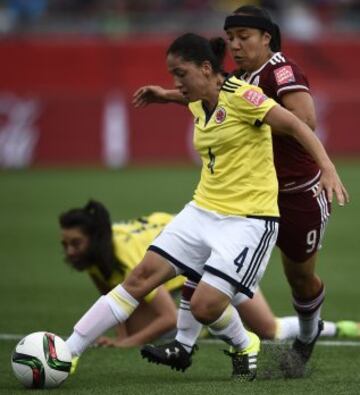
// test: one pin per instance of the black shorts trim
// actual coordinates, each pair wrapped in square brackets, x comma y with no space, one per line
[264,217]
[190,273]
[259,254]
[239,287]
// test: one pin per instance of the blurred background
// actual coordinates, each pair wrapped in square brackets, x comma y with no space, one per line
[69,68]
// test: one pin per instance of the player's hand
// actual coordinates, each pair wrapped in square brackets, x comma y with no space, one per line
[149,94]
[104,341]
[330,183]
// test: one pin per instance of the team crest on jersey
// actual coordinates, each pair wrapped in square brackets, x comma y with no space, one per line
[220,115]
[284,75]
[254,97]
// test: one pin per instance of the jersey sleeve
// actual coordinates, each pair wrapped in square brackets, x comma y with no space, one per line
[252,104]
[160,218]
[287,77]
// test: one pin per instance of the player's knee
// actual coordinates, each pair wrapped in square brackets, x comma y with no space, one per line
[203,312]
[139,277]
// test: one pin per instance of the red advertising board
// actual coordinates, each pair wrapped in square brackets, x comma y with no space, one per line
[68,101]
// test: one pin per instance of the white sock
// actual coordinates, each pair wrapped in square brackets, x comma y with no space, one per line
[288,328]
[109,310]
[309,327]
[93,323]
[188,329]
[329,329]
[121,303]
[77,344]
[229,328]
[309,316]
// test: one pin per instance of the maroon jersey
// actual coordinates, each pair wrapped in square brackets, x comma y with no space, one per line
[295,168]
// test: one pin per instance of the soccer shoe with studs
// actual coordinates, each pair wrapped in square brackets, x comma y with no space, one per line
[245,362]
[293,363]
[171,354]
[304,350]
[74,364]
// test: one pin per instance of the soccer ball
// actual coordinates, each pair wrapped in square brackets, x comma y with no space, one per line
[41,360]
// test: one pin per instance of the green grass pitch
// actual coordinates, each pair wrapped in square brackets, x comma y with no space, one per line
[39,292]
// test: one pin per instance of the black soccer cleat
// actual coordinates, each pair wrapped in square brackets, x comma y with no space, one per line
[171,354]
[244,363]
[244,366]
[304,350]
[293,363]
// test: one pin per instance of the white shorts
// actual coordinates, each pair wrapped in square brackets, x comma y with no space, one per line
[241,298]
[228,252]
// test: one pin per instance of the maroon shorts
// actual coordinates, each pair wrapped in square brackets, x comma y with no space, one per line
[303,219]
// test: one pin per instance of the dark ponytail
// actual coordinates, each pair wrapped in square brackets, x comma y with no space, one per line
[218,46]
[197,49]
[99,218]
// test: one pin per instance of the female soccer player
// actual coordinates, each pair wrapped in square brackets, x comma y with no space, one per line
[224,237]
[254,42]
[108,252]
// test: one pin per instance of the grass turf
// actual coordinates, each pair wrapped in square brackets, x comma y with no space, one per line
[38,292]
[108,371]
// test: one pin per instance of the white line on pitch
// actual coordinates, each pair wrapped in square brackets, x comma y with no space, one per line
[331,343]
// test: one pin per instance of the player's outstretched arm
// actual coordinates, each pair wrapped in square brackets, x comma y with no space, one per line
[281,119]
[156,94]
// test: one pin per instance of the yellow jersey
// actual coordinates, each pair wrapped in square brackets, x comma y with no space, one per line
[238,174]
[131,240]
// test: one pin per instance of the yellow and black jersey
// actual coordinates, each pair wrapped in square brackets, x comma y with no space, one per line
[238,175]
[131,240]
